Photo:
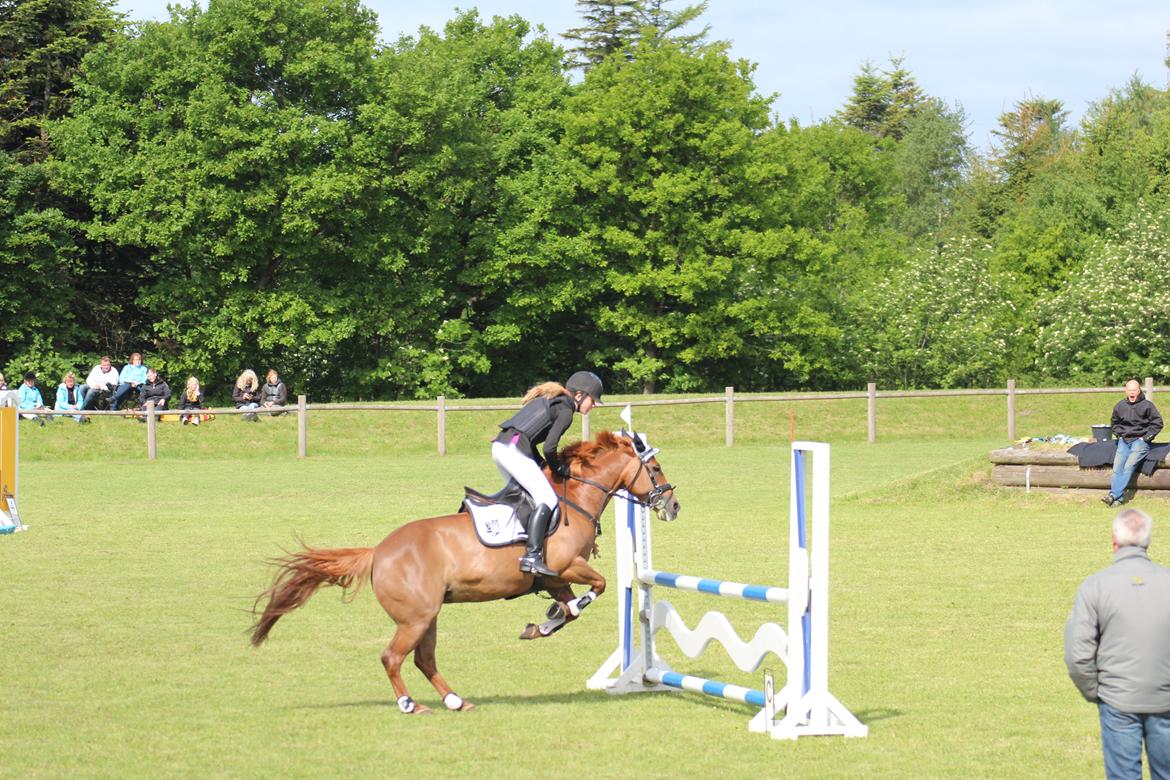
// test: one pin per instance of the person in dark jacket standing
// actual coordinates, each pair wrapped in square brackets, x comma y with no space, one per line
[1135,424]
[154,389]
[1115,648]
[546,414]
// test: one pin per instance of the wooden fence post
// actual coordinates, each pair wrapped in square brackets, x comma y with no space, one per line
[302,427]
[729,416]
[441,406]
[151,444]
[1011,395]
[871,410]
[584,427]
[1150,388]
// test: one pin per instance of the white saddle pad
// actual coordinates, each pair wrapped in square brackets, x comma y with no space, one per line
[496,524]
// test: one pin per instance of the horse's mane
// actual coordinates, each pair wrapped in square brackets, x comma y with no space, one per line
[585,452]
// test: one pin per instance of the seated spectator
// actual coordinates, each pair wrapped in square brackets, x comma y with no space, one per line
[131,377]
[3,384]
[70,397]
[191,398]
[100,384]
[273,393]
[30,399]
[246,394]
[154,389]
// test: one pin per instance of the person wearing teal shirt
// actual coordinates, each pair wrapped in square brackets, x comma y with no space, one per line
[131,378]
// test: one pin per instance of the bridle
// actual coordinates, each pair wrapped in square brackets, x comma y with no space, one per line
[655,500]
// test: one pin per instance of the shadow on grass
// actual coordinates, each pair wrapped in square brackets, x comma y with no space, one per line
[542,698]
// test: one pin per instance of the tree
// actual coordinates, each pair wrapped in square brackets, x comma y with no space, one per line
[940,321]
[42,43]
[210,149]
[1111,320]
[930,161]
[610,27]
[668,24]
[883,102]
[660,215]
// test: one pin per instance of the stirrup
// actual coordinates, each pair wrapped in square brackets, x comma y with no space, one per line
[535,564]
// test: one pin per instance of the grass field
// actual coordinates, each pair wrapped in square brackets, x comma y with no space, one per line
[126,605]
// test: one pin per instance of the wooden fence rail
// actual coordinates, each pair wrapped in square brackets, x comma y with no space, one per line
[441,408]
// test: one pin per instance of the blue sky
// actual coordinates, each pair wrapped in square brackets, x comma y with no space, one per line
[982,54]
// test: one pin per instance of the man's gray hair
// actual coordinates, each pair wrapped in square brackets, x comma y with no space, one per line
[1132,528]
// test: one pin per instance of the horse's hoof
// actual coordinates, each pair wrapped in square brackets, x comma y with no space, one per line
[556,611]
[421,709]
[466,707]
[531,631]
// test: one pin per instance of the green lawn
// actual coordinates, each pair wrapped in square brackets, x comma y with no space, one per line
[126,605]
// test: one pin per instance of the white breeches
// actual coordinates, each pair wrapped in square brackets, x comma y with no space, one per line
[514,464]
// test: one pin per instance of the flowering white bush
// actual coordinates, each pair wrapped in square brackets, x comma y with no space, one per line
[1111,319]
[939,321]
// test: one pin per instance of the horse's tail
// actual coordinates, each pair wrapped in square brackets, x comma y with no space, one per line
[301,574]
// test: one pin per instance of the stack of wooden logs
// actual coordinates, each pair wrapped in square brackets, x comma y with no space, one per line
[1055,469]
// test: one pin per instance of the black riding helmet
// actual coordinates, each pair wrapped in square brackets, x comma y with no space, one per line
[588,383]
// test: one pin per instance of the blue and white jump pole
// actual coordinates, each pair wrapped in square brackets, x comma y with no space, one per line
[805,700]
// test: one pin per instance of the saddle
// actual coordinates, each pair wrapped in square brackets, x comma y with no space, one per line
[511,500]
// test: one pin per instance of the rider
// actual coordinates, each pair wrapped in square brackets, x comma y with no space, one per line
[546,414]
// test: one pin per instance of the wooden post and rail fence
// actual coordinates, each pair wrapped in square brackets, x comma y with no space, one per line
[441,409]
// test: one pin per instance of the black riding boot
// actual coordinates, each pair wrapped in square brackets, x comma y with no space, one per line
[533,560]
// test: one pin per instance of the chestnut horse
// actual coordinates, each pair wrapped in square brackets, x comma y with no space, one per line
[437,560]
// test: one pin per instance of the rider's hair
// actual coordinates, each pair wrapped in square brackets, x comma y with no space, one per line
[545,390]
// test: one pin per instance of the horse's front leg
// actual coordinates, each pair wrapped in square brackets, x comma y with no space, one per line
[567,608]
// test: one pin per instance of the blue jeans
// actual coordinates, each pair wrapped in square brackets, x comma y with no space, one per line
[1129,455]
[124,390]
[1122,734]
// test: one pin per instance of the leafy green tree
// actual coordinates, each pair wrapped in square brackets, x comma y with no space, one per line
[1111,320]
[667,173]
[44,271]
[210,148]
[939,321]
[930,162]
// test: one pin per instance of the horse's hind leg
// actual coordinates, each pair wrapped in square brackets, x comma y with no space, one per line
[424,659]
[405,639]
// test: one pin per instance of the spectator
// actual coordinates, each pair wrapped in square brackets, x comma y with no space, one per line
[101,383]
[246,394]
[154,389]
[1135,424]
[132,376]
[273,393]
[3,384]
[70,397]
[192,398]
[8,397]
[1115,648]
[30,399]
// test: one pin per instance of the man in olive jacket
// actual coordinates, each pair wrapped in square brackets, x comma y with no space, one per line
[1117,650]
[1135,423]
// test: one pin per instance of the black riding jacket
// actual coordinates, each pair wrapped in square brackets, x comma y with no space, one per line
[540,420]
[1139,420]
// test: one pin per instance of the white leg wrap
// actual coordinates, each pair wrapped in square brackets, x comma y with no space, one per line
[578,604]
[406,704]
[452,701]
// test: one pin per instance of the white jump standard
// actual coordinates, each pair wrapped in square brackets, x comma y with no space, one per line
[807,706]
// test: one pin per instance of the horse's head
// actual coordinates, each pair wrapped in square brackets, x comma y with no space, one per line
[611,462]
[647,483]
